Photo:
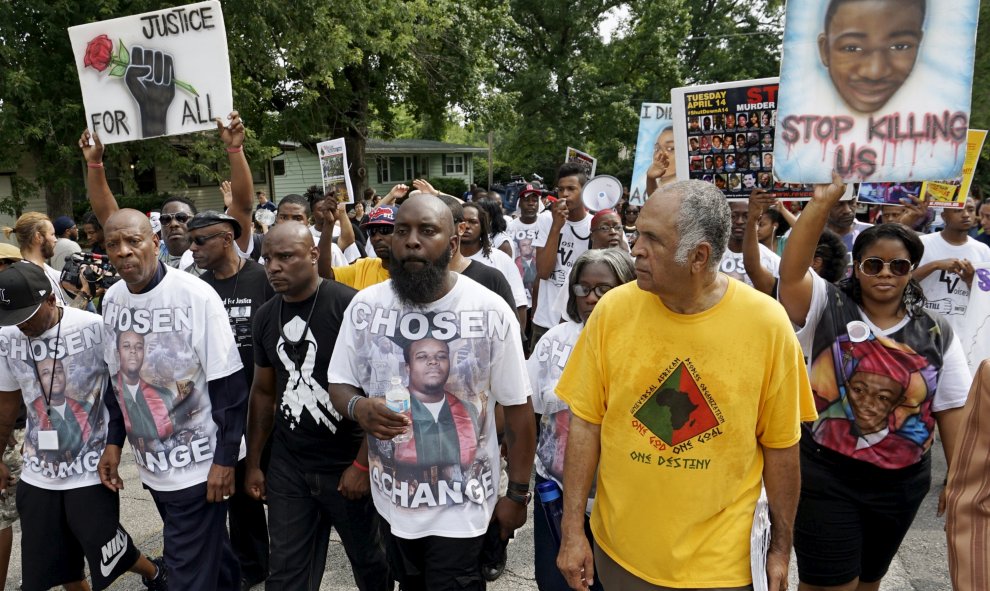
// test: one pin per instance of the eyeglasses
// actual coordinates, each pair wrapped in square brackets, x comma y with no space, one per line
[872,266]
[201,240]
[380,230]
[181,217]
[609,229]
[583,290]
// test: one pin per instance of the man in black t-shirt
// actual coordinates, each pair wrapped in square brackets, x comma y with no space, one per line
[318,475]
[243,287]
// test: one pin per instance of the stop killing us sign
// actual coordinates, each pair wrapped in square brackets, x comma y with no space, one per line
[155,74]
[878,91]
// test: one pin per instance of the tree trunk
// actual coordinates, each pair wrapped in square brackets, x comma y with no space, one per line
[356,127]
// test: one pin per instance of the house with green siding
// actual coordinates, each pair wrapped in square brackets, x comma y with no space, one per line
[388,164]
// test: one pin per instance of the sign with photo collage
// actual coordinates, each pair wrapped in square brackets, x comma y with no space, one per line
[724,134]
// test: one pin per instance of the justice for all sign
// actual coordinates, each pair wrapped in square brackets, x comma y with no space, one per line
[155,74]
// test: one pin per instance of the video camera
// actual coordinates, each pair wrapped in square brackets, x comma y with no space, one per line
[94,268]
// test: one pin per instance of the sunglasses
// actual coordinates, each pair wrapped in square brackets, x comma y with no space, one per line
[181,217]
[582,290]
[383,230]
[201,240]
[872,267]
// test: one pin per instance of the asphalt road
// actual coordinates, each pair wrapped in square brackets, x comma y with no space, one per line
[920,565]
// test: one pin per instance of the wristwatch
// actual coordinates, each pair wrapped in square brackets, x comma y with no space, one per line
[519,493]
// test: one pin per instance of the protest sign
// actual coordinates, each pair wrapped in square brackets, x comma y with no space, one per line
[954,193]
[589,162]
[334,169]
[724,134]
[878,91]
[654,162]
[154,74]
[888,193]
[976,322]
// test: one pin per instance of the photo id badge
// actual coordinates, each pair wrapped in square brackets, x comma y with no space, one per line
[48,440]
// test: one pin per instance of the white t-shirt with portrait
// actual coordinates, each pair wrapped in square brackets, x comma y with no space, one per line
[187,342]
[444,481]
[74,350]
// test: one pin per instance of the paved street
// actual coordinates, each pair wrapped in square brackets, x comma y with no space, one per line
[920,565]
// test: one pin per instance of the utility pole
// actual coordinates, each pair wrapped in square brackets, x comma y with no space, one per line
[490,172]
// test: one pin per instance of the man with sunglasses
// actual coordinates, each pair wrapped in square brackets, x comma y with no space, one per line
[369,271]
[946,269]
[243,287]
[177,211]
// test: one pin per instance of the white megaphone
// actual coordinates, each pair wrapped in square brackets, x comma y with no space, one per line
[601,192]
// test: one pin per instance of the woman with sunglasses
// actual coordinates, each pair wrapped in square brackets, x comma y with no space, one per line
[594,273]
[884,372]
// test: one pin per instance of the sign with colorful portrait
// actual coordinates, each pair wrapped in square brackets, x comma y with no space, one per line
[654,163]
[879,91]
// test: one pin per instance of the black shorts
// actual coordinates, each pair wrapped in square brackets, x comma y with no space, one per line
[61,527]
[852,515]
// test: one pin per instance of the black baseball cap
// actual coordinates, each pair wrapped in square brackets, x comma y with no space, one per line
[23,288]
[210,217]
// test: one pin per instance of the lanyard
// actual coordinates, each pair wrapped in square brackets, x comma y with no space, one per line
[51,382]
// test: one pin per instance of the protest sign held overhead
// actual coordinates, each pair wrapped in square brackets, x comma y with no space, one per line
[654,164]
[879,91]
[953,193]
[334,169]
[154,74]
[589,162]
[723,134]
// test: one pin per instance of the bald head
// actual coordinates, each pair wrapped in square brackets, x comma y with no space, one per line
[425,205]
[290,260]
[127,219]
[291,232]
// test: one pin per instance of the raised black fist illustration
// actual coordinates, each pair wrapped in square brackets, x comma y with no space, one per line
[150,78]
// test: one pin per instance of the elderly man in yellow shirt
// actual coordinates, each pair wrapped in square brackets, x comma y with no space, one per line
[370,271]
[682,432]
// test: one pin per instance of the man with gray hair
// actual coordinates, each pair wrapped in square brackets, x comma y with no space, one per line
[683,432]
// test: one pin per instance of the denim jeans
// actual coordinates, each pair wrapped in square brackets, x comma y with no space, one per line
[302,507]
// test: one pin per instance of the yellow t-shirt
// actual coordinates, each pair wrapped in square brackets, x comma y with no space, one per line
[363,273]
[683,401]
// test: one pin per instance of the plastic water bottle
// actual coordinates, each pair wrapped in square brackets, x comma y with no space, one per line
[553,507]
[397,400]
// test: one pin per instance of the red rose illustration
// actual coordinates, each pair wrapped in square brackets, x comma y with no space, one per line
[99,51]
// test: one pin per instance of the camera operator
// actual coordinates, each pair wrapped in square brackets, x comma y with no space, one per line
[87,277]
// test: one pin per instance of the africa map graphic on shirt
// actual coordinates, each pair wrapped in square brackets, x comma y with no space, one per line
[678,409]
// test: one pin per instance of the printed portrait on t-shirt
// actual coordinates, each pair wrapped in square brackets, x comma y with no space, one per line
[443,359]
[158,363]
[155,401]
[62,379]
[874,401]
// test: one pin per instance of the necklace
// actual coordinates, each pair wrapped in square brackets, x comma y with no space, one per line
[51,382]
[237,275]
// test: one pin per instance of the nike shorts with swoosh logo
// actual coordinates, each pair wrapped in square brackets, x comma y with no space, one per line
[61,528]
